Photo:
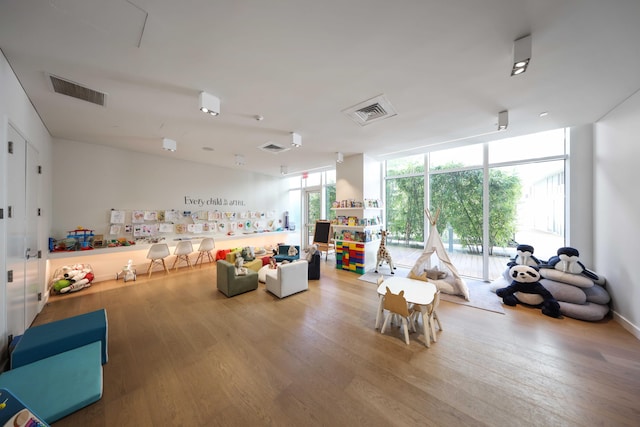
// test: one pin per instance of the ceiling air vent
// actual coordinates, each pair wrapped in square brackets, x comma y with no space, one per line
[371,110]
[273,148]
[69,88]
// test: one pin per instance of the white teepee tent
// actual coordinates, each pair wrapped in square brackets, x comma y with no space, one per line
[452,283]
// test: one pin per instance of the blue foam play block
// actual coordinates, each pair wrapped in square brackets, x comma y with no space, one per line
[59,385]
[39,342]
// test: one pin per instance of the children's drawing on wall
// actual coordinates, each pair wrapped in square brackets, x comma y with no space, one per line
[117,217]
[128,228]
[171,216]
[180,228]
[161,216]
[166,228]
[150,215]
[137,217]
[114,229]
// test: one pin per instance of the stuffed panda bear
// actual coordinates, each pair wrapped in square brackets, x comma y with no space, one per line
[526,279]
[524,256]
[567,260]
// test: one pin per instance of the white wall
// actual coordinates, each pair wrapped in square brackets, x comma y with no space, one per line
[16,109]
[90,180]
[126,180]
[617,208]
[579,217]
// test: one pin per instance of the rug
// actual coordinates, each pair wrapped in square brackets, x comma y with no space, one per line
[372,277]
[480,295]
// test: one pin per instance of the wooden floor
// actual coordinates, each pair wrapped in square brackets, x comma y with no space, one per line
[182,354]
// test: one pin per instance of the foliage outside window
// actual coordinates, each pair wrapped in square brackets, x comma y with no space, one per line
[458,195]
[404,199]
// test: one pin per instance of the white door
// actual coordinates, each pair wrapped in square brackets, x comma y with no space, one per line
[16,159]
[22,234]
[32,251]
[312,213]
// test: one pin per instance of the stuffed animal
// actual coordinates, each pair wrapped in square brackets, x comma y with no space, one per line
[567,261]
[248,253]
[293,251]
[240,269]
[524,256]
[526,279]
[383,253]
[310,251]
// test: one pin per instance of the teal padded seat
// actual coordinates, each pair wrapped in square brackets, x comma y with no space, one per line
[59,385]
[39,342]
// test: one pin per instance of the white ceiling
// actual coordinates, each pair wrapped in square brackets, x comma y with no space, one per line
[443,65]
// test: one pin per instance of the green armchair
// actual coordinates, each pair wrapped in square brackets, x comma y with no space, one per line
[230,284]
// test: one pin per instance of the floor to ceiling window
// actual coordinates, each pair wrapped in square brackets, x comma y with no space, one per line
[404,203]
[523,179]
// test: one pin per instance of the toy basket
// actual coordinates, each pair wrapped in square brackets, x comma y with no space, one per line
[71,278]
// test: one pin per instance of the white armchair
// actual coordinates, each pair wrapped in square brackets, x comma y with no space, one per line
[288,279]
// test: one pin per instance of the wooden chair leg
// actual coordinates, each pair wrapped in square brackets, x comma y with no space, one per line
[150,268]
[165,266]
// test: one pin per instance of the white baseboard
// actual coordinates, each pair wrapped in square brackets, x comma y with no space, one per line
[633,329]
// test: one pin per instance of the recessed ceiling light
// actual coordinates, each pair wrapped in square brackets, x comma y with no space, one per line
[207,148]
[544,113]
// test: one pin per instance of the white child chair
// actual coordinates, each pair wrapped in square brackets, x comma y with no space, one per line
[204,250]
[182,251]
[157,253]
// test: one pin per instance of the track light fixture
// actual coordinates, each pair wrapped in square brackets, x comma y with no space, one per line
[503,120]
[521,55]
[239,160]
[339,157]
[169,144]
[283,170]
[296,139]
[209,104]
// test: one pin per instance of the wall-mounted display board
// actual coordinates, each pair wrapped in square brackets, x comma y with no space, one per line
[148,224]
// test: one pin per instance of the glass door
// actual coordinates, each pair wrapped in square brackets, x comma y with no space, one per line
[312,213]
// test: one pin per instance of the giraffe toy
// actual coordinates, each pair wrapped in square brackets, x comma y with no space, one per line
[383,253]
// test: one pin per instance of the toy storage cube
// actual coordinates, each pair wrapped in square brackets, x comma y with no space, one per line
[42,341]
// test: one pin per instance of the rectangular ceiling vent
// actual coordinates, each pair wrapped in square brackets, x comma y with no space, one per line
[371,110]
[74,90]
[273,148]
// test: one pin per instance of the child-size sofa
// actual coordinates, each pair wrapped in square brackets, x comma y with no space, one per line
[288,279]
[231,284]
[283,253]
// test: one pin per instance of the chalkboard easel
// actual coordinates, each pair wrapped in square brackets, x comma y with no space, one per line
[322,237]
